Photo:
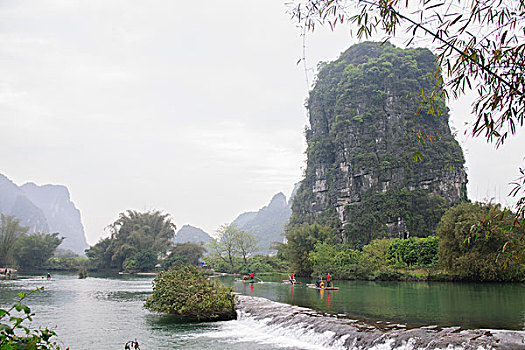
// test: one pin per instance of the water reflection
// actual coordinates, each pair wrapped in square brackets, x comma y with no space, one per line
[470,305]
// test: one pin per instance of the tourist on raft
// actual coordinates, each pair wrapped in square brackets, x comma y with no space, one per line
[292,278]
[328,280]
[318,282]
[252,276]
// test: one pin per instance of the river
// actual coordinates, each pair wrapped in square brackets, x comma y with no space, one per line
[105,313]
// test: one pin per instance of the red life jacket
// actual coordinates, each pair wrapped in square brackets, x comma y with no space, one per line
[328,278]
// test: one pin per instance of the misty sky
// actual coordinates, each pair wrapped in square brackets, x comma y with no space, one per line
[193,108]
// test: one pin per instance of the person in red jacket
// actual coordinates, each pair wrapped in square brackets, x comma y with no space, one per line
[252,276]
[328,280]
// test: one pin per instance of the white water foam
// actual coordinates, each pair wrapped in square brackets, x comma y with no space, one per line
[249,330]
[263,324]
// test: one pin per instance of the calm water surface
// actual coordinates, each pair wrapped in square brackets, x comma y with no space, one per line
[104,313]
[469,305]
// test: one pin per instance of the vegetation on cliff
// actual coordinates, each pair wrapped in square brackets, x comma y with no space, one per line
[478,47]
[375,166]
[184,291]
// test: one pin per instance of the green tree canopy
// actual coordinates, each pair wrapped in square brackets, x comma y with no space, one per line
[32,251]
[301,240]
[143,261]
[246,244]
[340,261]
[99,254]
[134,232]
[470,237]
[188,253]
[232,243]
[10,232]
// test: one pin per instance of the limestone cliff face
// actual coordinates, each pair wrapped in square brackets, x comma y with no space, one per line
[61,213]
[14,202]
[45,209]
[370,152]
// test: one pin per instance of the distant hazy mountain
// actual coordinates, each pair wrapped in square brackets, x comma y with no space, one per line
[46,209]
[61,214]
[14,202]
[267,224]
[189,233]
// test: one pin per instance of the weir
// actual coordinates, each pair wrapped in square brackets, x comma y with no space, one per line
[340,332]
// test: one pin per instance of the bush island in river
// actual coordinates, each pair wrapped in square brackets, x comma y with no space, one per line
[186,292]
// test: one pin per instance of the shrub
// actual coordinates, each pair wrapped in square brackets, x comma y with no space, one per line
[472,236]
[66,263]
[414,251]
[340,261]
[388,275]
[186,292]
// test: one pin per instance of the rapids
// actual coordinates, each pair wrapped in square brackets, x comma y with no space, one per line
[321,330]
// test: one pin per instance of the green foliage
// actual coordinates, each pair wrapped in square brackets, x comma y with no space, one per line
[15,335]
[471,236]
[232,243]
[10,232]
[265,263]
[377,252]
[340,261]
[130,265]
[34,250]
[419,210]
[188,253]
[421,252]
[388,275]
[66,263]
[186,292]
[302,240]
[100,255]
[144,260]
[246,244]
[131,234]
[256,263]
